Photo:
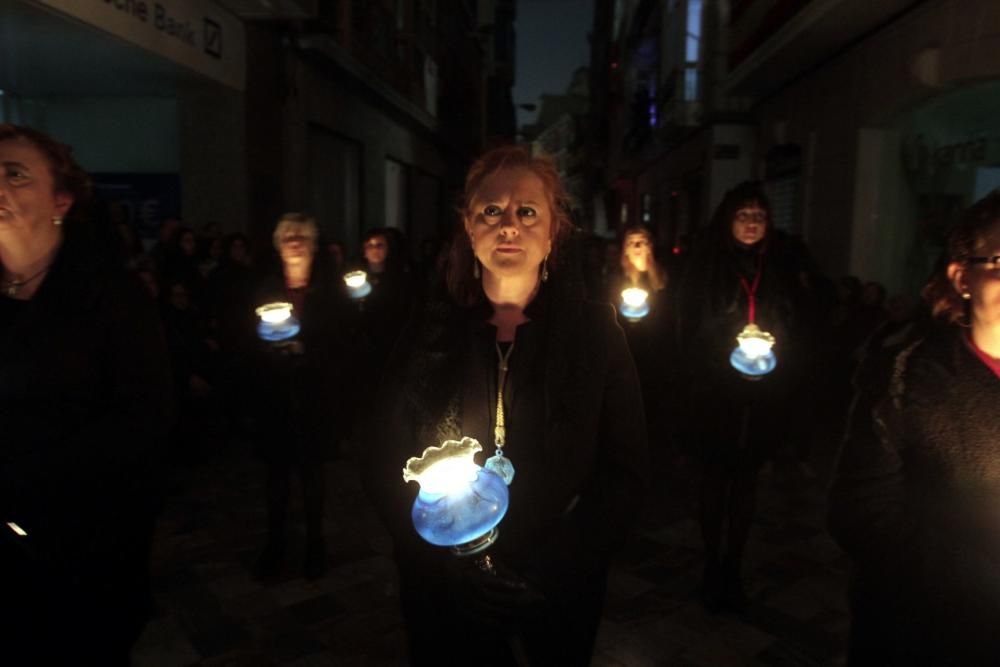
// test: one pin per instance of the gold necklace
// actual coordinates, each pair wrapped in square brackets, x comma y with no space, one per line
[499,463]
[12,287]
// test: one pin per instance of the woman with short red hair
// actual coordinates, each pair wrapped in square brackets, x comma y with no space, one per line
[517,342]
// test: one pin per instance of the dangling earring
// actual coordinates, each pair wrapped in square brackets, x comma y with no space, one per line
[57,220]
[545,269]
[475,268]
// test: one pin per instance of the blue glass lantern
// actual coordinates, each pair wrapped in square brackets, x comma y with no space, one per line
[357,283]
[459,504]
[635,304]
[753,355]
[276,322]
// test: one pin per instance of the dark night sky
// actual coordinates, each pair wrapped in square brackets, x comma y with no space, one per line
[551,43]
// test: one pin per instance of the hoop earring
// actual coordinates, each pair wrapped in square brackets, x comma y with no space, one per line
[57,220]
[545,269]
[475,268]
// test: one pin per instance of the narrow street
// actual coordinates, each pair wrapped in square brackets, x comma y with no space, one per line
[211,611]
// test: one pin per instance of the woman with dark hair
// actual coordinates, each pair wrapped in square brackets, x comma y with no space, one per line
[734,420]
[916,500]
[387,308]
[84,396]
[517,347]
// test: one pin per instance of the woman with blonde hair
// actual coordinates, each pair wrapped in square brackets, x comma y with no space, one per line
[298,392]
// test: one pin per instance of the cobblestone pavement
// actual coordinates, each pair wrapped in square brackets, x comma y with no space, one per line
[212,612]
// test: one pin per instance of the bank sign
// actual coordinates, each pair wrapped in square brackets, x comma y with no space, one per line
[197,34]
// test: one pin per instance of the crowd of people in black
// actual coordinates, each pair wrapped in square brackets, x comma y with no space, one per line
[119,358]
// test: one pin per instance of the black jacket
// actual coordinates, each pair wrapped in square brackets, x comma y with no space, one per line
[299,384]
[712,308]
[916,503]
[580,459]
[84,403]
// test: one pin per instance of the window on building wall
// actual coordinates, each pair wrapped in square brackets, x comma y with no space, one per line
[334,185]
[692,50]
[783,182]
[647,209]
[397,184]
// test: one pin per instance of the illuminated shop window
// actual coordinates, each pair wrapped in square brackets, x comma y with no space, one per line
[692,50]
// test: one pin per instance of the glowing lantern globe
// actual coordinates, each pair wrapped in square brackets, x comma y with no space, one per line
[276,322]
[754,356]
[635,304]
[459,504]
[357,283]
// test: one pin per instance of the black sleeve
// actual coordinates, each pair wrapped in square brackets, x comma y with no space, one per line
[868,512]
[98,482]
[581,544]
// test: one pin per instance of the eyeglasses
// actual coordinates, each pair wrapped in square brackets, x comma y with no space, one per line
[990,262]
[755,216]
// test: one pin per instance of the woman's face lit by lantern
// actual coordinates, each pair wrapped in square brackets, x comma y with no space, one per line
[28,197]
[638,250]
[296,245]
[750,224]
[376,251]
[981,280]
[509,222]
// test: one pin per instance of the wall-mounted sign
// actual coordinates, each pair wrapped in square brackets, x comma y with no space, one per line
[142,201]
[197,34]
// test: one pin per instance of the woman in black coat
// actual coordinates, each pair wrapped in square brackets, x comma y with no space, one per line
[574,432]
[733,422]
[84,399]
[298,392]
[646,335]
[916,500]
